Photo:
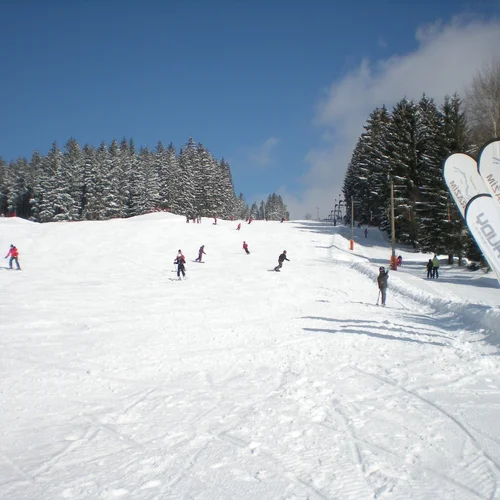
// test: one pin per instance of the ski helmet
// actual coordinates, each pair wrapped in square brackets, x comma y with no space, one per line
[381,268]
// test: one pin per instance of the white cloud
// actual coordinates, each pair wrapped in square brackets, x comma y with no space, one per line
[262,155]
[445,61]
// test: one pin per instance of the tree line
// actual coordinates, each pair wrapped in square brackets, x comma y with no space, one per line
[116,181]
[406,147]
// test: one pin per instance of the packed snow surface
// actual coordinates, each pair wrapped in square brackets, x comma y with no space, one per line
[119,381]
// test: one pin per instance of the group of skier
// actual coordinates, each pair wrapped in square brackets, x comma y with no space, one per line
[180,260]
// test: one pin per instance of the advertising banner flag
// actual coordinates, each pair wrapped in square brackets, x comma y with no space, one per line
[477,206]
[463,180]
[489,168]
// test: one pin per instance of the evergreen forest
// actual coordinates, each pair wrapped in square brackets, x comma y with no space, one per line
[116,181]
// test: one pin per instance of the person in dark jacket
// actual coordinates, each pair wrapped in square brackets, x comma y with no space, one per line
[429,269]
[180,261]
[201,251]
[281,259]
[382,278]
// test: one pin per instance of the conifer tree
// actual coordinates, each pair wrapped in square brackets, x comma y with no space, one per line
[188,159]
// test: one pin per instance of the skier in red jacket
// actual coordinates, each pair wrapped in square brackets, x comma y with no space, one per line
[245,247]
[13,253]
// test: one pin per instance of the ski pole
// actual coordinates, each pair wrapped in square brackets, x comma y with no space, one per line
[378,297]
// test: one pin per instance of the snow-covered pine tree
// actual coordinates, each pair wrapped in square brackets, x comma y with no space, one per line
[262,211]
[46,185]
[241,210]
[69,183]
[3,187]
[354,187]
[160,159]
[375,165]
[206,185]
[148,187]
[92,208]
[36,169]
[188,159]
[18,183]
[174,180]
[254,211]
[127,185]
[401,149]
[114,202]
[227,191]
[430,208]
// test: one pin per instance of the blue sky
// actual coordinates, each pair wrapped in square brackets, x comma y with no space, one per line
[278,88]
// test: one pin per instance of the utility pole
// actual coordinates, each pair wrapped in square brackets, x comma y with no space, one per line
[317,210]
[351,243]
[394,266]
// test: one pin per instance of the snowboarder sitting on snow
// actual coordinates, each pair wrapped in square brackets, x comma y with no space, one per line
[400,260]
[245,247]
[281,259]
[201,251]
[382,279]
[180,261]
[13,253]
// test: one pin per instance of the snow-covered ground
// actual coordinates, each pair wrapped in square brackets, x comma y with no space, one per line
[119,381]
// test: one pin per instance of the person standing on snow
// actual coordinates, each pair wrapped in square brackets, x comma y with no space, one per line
[13,253]
[180,261]
[382,279]
[245,247]
[281,259]
[435,267]
[366,232]
[201,251]
[238,227]
[429,269]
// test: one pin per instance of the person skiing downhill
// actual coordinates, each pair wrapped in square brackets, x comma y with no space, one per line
[180,261]
[13,253]
[245,247]
[201,251]
[382,279]
[281,259]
